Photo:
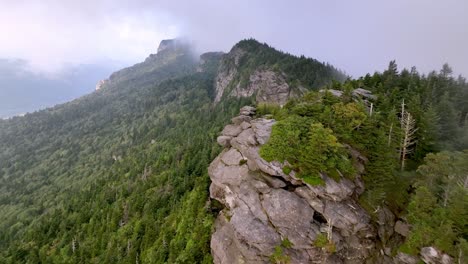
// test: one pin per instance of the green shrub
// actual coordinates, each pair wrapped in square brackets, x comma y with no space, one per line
[309,147]
[287,170]
[321,241]
[269,109]
[286,243]
[279,257]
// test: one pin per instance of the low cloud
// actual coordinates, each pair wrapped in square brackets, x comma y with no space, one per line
[357,36]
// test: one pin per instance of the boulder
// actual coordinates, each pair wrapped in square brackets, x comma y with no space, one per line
[431,255]
[402,258]
[240,119]
[262,128]
[402,228]
[224,141]
[385,220]
[247,111]
[231,130]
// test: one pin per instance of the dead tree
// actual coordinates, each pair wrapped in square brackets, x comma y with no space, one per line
[408,127]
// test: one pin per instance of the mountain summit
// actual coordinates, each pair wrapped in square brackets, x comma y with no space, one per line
[171,44]
[255,69]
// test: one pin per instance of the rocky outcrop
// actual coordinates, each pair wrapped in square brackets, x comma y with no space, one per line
[227,71]
[266,85]
[431,255]
[267,211]
[100,84]
[269,87]
[427,255]
[356,93]
[167,44]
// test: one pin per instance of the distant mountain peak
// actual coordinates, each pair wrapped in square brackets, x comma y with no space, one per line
[172,44]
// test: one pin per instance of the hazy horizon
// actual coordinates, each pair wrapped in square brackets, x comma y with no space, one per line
[358,37]
[44,44]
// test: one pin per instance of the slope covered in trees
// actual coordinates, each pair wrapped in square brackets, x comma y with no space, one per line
[118,175]
[300,70]
[436,203]
[413,132]
[115,176]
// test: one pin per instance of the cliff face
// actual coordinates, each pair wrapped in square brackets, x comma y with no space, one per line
[227,71]
[266,85]
[252,69]
[272,216]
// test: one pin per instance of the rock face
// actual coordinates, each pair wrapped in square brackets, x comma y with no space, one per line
[266,85]
[100,84]
[266,209]
[167,44]
[227,71]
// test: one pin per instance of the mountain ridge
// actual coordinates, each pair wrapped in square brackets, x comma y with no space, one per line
[150,127]
[121,175]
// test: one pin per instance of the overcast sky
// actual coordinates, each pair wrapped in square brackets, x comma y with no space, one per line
[357,36]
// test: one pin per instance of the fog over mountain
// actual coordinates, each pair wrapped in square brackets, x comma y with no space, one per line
[358,36]
[22,90]
[362,36]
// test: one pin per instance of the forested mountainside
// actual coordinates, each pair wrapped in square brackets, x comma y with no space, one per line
[120,175]
[412,133]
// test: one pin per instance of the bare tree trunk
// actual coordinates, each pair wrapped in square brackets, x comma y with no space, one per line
[408,126]
[74,244]
[330,231]
[446,196]
[390,135]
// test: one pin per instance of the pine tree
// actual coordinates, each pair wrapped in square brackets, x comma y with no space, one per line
[448,130]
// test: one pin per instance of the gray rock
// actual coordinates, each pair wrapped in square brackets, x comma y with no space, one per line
[232,157]
[240,119]
[262,128]
[271,87]
[402,258]
[291,216]
[245,140]
[226,72]
[402,228]
[264,206]
[245,125]
[224,141]
[386,221]
[231,130]
[247,111]
[364,93]
[336,191]
[431,255]
[336,93]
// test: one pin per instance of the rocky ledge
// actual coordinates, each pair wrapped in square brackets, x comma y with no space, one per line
[269,215]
